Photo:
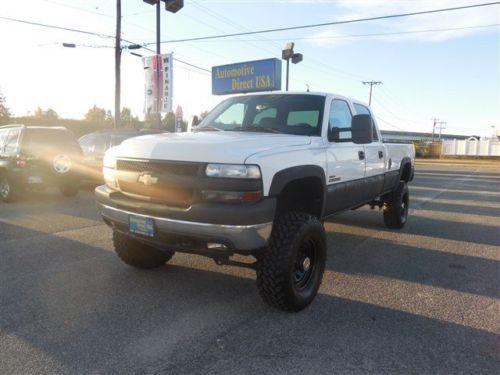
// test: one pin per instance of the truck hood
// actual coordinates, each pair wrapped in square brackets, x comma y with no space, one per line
[214,147]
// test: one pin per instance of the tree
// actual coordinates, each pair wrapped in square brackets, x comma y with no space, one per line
[168,122]
[96,115]
[48,115]
[4,111]
[109,120]
[127,119]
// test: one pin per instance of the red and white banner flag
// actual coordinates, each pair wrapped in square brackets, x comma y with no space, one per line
[158,83]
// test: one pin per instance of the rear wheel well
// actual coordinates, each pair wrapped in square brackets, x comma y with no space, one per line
[406,172]
[304,195]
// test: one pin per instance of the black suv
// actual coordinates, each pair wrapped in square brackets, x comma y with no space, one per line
[34,157]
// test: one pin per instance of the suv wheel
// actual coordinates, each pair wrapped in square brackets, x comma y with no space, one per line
[396,207]
[138,254]
[291,269]
[69,189]
[7,191]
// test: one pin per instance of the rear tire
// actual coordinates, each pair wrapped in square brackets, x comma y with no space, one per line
[396,207]
[291,269]
[138,254]
[8,191]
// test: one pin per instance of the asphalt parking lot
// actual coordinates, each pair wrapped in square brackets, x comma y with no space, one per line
[418,301]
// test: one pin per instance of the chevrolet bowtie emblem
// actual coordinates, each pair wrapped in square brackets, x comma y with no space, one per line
[147,179]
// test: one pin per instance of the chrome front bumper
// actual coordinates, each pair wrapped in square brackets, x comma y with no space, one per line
[239,238]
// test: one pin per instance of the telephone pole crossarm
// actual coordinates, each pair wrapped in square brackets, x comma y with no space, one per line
[371,83]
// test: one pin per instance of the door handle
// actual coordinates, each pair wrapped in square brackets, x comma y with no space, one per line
[361,155]
[380,154]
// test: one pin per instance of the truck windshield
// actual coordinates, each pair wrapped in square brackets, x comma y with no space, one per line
[273,113]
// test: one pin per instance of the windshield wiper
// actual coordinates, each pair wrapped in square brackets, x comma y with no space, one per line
[209,128]
[260,128]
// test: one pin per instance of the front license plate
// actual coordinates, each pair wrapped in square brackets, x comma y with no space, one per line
[141,225]
[35,180]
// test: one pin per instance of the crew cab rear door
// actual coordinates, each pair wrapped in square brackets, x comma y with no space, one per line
[345,160]
[376,157]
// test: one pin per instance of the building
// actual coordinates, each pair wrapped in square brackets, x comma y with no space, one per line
[396,136]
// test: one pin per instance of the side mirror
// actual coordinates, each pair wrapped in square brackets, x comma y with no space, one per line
[362,132]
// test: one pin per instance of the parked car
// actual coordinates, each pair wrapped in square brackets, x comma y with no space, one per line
[257,177]
[34,157]
[94,145]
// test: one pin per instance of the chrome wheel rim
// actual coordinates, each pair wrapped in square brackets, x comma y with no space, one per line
[4,188]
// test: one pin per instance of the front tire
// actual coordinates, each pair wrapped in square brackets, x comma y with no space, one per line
[396,207]
[138,254]
[291,269]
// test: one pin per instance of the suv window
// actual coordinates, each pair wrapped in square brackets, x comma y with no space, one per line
[94,144]
[362,110]
[340,120]
[11,141]
[40,141]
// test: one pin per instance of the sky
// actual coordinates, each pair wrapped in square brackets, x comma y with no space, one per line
[443,65]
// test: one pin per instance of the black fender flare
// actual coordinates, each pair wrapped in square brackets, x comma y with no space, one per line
[406,160]
[282,178]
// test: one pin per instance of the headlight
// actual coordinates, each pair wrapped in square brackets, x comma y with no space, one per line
[109,169]
[109,175]
[109,160]
[233,171]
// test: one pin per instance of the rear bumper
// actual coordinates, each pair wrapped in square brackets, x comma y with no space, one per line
[32,177]
[245,229]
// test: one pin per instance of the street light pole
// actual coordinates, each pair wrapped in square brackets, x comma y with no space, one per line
[287,54]
[118,56]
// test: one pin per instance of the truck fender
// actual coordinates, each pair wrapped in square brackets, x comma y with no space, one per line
[404,162]
[282,178]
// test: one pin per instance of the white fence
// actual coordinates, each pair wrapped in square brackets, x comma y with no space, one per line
[471,147]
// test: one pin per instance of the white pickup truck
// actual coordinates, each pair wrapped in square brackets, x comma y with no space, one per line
[257,177]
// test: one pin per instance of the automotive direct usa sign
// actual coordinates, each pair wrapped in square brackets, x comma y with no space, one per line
[250,76]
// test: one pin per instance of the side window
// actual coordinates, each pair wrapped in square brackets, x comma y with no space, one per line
[11,141]
[340,121]
[231,117]
[362,110]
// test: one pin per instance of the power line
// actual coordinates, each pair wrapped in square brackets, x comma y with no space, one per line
[86,32]
[348,36]
[56,27]
[330,23]
[388,123]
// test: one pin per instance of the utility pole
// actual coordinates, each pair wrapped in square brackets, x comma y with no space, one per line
[441,127]
[118,56]
[371,83]
[438,123]
[434,127]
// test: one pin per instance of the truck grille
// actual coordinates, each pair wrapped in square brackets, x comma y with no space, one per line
[170,183]
[160,167]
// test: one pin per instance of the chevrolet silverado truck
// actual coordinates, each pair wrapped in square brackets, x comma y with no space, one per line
[257,177]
